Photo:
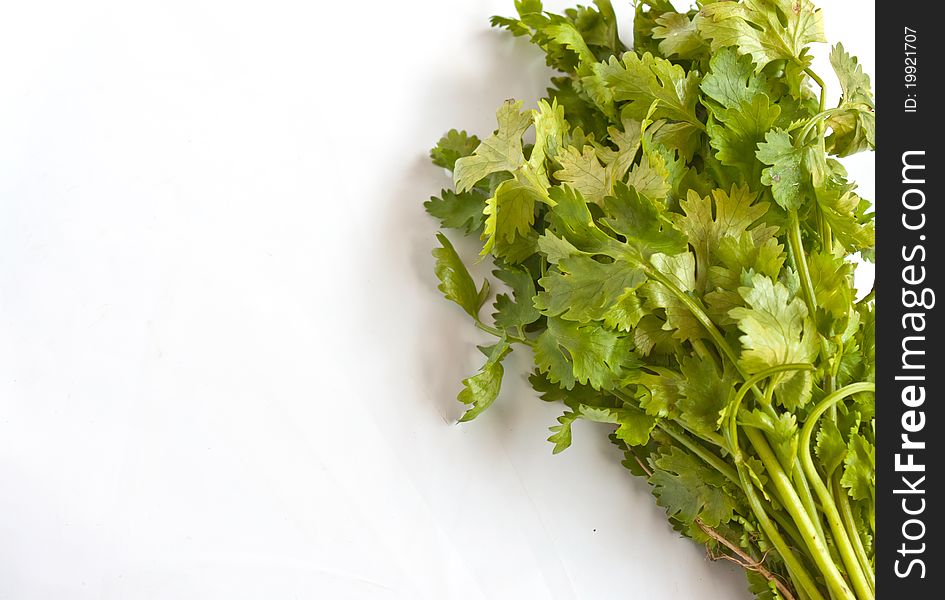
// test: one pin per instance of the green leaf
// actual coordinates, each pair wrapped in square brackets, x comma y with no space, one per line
[843,210]
[461,211]
[644,22]
[787,176]
[859,468]
[618,162]
[634,426]
[571,219]
[599,28]
[777,331]
[679,269]
[736,132]
[625,313]
[568,36]
[583,171]
[781,432]
[678,36]
[650,177]
[658,394]
[481,390]
[640,80]
[570,353]
[705,228]
[731,80]
[687,489]
[761,587]
[643,223]
[509,214]
[501,151]
[703,394]
[550,129]
[453,146]
[830,448]
[561,433]
[754,251]
[584,289]
[555,248]
[833,284]
[455,282]
[854,129]
[520,311]
[686,138]
[755,27]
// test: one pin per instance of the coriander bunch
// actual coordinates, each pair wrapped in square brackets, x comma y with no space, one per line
[678,245]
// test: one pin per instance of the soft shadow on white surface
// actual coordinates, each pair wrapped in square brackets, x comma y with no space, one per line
[225,369]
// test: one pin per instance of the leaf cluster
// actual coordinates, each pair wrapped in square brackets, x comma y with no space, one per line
[676,248]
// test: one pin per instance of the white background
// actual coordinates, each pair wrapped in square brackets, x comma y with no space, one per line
[225,371]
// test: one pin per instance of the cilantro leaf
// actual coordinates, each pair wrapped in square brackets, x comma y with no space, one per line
[736,132]
[859,468]
[703,394]
[688,489]
[638,81]
[501,151]
[680,270]
[521,311]
[732,79]
[453,146]
[509,214]
[584,289]
[481,390]
[787,176]
[706,228]
[572,353]
[776,331]
[755,28]
[455,282]
[854,129]
[458,211]
[830,448]
[643,223]
[678,36]
[655,239]
[583,171]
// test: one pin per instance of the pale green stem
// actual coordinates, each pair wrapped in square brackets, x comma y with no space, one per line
[846,513]
[797,570]
[815,544]
[842,541]
[500,334]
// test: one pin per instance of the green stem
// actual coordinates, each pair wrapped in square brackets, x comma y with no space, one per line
[501,334]
[815,544]
[698,312]
[800,261]
[807,283]
[794,466]
[823,88]
[842,541]
[798,572]
[711,459]
[815,121]
[674,432]
[846,513]
[807,498]
[743,391]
